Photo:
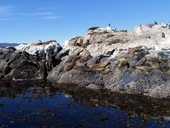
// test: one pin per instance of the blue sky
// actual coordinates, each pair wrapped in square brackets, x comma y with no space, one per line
[26,21]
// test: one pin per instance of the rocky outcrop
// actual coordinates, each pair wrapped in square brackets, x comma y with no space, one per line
[44,49]
[29,61]
[15,64]
[135,62]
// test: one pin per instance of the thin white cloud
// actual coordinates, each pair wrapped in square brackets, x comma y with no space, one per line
[36,13]
[46,15]
[52,17]
[8,13]
[43,13]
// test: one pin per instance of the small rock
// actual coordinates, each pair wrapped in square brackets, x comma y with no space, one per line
[93,87]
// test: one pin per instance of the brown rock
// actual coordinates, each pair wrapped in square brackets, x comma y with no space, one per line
[135,49]
[122,62]
[76,41]
[106,71]
[152,59]
[99,66]
[144,68]
[85,56]
[69,66]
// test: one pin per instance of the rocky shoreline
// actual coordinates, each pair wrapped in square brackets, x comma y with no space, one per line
[133,62]
[40,104]
[132,104]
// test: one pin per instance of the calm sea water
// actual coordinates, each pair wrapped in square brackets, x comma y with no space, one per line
[37,105]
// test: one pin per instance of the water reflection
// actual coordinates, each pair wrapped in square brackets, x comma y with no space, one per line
[38,104]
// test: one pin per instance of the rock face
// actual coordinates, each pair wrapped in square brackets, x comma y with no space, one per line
[28,61]
[135,62]
[15,64]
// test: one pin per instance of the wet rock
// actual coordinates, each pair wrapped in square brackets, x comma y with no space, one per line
[22,62]
[43,69]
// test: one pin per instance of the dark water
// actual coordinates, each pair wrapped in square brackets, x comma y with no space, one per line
[33,104]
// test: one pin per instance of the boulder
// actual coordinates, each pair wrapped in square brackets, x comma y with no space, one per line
[80,78]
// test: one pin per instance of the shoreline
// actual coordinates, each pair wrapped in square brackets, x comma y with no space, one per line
[138,104]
